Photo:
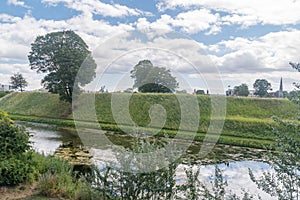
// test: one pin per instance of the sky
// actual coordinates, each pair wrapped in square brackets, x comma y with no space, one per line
[207,44]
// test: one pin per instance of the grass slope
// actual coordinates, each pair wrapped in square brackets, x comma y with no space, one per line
[248,120]
[35,104]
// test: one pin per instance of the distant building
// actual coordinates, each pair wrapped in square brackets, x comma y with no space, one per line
[5,87]
[279,93]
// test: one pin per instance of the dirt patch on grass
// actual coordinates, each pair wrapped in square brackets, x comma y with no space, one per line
[18,192]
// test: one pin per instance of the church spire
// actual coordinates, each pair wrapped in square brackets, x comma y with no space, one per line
[280,94]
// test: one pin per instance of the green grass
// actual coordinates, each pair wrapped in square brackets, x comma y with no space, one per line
[261,108]
[248,120]
[35,104]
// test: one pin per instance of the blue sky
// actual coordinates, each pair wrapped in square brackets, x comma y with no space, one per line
[243,40]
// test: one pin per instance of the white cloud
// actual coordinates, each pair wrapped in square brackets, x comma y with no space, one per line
[163,23]
[98,7]
[159,27]
[244,20]
[272,51]
[17,3]
[197,20]
[5,18]
[190,22]
[246,12]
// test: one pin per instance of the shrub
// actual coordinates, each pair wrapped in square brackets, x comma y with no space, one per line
[58,180]
[15,157]
[3,93]
[4,117]
[15,170]
[14,140]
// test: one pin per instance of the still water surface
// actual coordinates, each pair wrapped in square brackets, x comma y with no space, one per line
[233,162]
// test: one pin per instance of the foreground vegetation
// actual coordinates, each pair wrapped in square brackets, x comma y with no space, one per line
[248,120]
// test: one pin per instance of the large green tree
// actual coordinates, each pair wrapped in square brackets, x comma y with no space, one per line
[261,87]
[60,55]
[18,81]
[241,90]
[149,78]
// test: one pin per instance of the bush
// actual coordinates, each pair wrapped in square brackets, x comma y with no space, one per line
[3,93]
[14,140]
[58,180]
[4,117]
[16,169]
[15,157]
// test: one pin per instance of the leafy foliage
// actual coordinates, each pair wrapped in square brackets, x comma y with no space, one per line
[261,87]
[15,169]
[60,55]
[15,157]
[284,181]
[218,185]
[18,81]
[148,78]
[13,140]
[4,118]
[58,180]
[294,96]
[241,90]
[3,93]
[127,180]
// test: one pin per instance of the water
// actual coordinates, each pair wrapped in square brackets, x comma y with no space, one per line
[47,138]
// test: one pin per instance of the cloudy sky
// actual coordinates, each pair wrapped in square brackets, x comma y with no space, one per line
[199,40]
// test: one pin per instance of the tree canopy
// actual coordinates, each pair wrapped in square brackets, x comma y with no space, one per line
[60,55]
[241,90]
[149,78]
[17,81]
[261,87]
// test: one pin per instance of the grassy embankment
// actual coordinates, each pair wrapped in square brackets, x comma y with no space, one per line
[248,120]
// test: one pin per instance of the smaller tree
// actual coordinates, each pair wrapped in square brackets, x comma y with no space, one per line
[261,87]
[148,78]
[18,81]
[241,90]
